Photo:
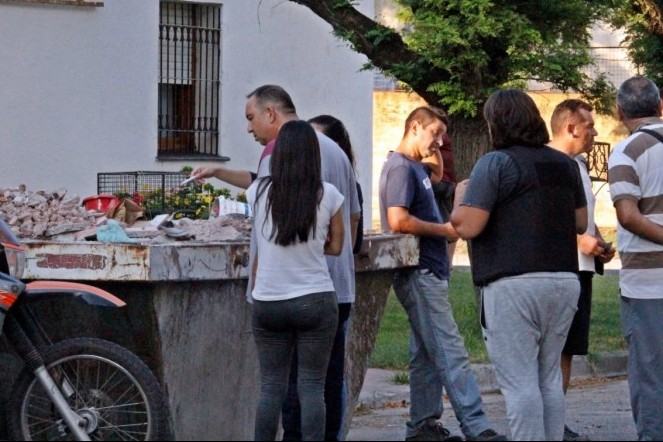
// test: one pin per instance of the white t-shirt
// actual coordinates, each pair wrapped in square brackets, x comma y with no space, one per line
[336,170]
[586,262]
[298,269]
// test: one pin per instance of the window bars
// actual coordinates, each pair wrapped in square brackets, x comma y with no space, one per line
[189,46]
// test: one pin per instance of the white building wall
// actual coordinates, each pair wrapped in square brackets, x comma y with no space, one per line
[78,89]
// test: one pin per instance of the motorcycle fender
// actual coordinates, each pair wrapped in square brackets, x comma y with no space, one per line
[59,289]
[7,299]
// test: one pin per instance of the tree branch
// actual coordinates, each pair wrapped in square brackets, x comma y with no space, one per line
[653,9]
[383,46]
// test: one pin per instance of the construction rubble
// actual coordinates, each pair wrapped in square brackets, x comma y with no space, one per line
[57,216]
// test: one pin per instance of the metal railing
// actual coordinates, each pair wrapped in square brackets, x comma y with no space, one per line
[597,161]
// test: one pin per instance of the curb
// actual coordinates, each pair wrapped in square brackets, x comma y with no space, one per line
[380,390]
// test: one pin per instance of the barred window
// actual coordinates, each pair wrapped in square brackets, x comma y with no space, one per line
[189,44]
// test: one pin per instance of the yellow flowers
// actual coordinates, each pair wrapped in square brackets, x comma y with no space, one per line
[194,201]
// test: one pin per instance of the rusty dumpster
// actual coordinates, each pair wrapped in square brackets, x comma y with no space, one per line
[188,319]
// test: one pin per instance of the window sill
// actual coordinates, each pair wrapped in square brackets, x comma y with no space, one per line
[89,3]
[191,157]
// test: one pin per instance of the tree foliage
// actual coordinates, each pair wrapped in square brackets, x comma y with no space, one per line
[454,53]
[642,21]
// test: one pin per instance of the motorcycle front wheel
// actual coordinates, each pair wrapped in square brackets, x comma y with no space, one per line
[108,386]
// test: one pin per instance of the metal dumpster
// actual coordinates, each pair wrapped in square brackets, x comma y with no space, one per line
[188,318]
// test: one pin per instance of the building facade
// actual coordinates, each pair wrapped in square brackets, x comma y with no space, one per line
[123,85]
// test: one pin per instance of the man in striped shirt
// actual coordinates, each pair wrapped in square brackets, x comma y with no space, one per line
[636,187]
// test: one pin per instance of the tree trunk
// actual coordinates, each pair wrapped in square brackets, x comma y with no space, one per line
[469,139]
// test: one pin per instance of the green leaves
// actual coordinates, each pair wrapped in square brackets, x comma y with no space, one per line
[485,44]
[454,53]
[379,35]
[641,20]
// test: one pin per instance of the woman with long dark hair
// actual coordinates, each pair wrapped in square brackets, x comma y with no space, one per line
[298,220]
[335,387]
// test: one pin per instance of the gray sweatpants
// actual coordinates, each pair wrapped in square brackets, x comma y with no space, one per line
[525,320]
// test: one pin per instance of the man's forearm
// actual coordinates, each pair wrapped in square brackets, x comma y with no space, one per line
[630,217]
[415,226]
[237,178]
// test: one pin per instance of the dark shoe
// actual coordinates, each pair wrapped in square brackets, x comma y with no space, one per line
[435,432]
[488,434]
[569,434]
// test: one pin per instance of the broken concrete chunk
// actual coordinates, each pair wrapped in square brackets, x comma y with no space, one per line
[66,227]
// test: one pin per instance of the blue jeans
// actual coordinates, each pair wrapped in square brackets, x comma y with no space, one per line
[641,320]
[279,327]
[438,357]
[335,389]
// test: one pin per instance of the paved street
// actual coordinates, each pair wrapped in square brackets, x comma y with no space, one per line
[599,408]
[597,404]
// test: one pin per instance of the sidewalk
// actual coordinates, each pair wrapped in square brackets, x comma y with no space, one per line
[597,407]
[598,403]
[380,390]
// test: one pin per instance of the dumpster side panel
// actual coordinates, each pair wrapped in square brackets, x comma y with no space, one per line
[210,364]
[199,262]
[87,261]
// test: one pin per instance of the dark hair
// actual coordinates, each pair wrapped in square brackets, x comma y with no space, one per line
[335,129]
[275,95]
[296,178]
[566,111]
[639,97]
[513,119]
[425,115]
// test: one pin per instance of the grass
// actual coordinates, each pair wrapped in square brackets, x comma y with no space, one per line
[401,378]
[391,348]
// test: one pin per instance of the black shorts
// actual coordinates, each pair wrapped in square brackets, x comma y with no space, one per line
[577,342]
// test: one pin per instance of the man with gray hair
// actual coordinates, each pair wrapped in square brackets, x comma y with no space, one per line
[267,109]
[636,187]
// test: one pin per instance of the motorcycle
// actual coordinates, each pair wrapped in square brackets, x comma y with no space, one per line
[75,389]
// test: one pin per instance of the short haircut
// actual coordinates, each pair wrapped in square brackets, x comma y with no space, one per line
[639,97]
[514,120]
[425,115]
[274,95]
[567,111]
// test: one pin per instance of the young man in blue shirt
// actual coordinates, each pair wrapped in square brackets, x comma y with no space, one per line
[438,358]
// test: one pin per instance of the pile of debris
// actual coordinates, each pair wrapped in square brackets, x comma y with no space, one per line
[57,217]
[43,214]
[223,228]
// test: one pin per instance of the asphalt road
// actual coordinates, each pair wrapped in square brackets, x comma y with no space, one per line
[597,407]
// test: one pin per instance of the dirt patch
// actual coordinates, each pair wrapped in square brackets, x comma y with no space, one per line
[594,381]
